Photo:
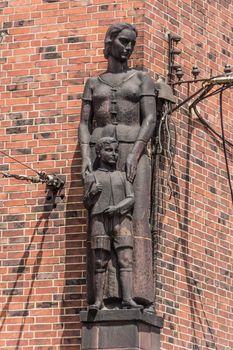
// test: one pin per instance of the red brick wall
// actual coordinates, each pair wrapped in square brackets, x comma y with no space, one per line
[194,240]
[49,49]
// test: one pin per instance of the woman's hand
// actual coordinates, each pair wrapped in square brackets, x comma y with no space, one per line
[131,167]
[86,166]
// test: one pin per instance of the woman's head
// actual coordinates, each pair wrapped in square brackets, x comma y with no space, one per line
[125,33]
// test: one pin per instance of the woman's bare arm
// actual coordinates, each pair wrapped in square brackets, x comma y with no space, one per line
[148,116]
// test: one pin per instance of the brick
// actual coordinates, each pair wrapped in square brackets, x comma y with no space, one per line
[49,49]
[16,130]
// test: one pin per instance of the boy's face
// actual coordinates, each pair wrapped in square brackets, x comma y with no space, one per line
[109,153]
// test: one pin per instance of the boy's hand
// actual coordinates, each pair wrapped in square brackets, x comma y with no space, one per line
[97,189]
[112,209]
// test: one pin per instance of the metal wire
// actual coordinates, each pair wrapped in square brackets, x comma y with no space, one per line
[164,132]
[168,150]
[172,154]
[203,90]
[204,96]
[224,142]
[208,126]
[17,161]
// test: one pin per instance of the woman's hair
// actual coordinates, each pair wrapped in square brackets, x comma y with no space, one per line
[111,34]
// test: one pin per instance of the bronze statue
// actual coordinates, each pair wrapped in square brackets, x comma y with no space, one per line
[109,197]
[121,103]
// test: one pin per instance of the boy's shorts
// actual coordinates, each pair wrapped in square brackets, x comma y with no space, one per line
[113,230]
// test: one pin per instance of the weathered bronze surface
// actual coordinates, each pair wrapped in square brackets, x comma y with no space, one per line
[120,329]
[109,197]
[119,103]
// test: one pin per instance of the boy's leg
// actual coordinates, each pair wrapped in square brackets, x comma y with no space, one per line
[101,262]
[101,246]
[125,262]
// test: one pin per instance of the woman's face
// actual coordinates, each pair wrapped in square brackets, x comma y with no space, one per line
[123,45]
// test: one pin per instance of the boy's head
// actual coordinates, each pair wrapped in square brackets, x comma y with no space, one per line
[107,150]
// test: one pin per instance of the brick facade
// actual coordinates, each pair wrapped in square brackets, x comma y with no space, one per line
[47,51]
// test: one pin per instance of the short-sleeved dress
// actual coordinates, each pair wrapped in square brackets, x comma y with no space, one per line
[117,114]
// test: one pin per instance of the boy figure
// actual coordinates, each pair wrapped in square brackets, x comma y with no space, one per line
[109,197]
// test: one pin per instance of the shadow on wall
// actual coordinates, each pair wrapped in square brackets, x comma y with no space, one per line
[199,321]
[74,291]
[21,269]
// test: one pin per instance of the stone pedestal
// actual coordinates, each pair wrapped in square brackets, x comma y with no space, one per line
[120,330]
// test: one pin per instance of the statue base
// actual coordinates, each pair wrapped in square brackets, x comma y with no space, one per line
[127,329]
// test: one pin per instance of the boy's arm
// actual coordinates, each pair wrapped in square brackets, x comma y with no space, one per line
[92,188]
[127,203]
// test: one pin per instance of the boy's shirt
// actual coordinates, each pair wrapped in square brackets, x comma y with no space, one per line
[115,189]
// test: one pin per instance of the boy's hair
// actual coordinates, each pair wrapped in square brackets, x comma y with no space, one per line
[100,144]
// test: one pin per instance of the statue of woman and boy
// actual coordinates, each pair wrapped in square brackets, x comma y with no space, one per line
[118,119]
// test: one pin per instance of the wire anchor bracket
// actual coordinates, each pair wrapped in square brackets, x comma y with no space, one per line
[54,183]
